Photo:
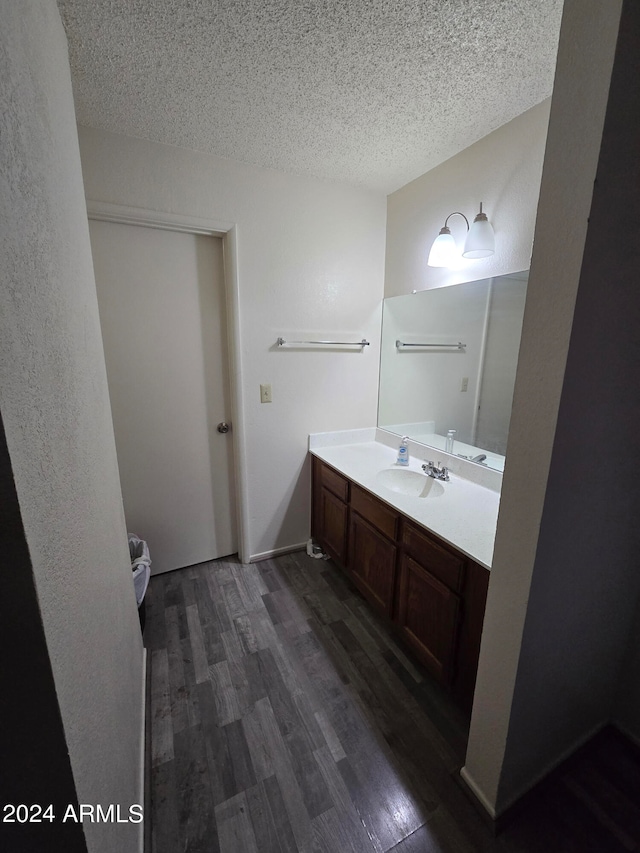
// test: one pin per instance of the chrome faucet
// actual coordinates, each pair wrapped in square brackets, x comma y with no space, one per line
[438,472]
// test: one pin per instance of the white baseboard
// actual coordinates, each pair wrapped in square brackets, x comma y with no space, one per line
[477,793]
[513,799]
[276,552]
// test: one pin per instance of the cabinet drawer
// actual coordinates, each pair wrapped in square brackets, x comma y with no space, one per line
[447,567]
[382,517]
[333,481]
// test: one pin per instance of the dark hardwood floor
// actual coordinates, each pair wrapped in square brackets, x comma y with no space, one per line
[285,718]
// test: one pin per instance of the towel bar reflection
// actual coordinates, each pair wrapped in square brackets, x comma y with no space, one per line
[363,343]
[458,345]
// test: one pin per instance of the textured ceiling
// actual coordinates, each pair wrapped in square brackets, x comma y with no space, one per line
[372,92]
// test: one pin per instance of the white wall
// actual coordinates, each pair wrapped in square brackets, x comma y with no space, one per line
[562,584]
[311,256]
[503,171]
[55,407]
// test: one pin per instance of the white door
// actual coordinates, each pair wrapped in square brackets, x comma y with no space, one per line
[162,312]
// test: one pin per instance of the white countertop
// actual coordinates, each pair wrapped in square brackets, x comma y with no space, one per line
[464,514]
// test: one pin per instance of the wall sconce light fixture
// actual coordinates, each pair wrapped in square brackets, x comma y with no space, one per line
[480,242]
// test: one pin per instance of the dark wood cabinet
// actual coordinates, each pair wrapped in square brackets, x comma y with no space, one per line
[431,578]
[442,562]
[473,601]
[372,560]
[433,596]
[428,614]
[334,525]
[372,550]
[330,515]
[384,518]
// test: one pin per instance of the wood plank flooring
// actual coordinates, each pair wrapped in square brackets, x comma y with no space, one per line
[285,719]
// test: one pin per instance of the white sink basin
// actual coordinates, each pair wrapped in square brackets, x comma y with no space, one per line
[411,483]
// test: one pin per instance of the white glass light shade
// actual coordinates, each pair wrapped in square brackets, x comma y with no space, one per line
[443,252]
[480,242]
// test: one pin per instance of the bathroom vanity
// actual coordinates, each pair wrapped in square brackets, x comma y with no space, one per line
[384,525]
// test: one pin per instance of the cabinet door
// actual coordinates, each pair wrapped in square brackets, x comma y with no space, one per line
[331,525]
[474,598]
[428,618]
[372,560]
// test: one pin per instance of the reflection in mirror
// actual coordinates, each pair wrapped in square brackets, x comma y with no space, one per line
[436,386]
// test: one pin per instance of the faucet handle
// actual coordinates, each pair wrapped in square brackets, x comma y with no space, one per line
[438,472]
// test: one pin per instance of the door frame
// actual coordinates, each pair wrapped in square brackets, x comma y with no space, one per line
[228,231]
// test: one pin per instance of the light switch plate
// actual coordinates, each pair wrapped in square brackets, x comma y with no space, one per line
[265,393]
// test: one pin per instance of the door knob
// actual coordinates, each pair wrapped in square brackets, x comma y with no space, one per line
[223,427]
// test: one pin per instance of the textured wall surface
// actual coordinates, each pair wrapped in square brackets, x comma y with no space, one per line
[310,258]
[369,93]
[33,747]
[55,408]
[503,171]
[564,689]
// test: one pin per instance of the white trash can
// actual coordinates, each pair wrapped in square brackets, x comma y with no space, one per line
[141,567]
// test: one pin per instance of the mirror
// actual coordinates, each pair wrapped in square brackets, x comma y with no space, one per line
[448,362]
